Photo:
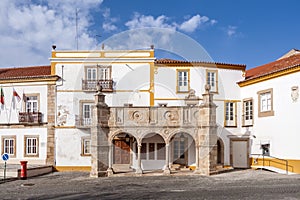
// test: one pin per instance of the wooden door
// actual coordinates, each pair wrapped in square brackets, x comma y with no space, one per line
[121,152]
[239,154]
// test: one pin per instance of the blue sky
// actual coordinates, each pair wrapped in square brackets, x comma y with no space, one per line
[232,31]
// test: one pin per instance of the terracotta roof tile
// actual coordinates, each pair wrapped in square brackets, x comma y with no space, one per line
[22,72]
[272,67]
[171,61]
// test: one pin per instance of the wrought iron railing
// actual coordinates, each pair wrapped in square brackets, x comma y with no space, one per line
[30,117]
[273,162]
[91,85]
[81,122]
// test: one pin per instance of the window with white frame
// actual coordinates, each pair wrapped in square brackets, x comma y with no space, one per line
[31,146]
[212,80]
[86,147]
[32,103]
[104,73]
[9,145]
[183,80]
[91,73]
[152,151]
[230,113]
[248,112]
[85,118]
[265,101]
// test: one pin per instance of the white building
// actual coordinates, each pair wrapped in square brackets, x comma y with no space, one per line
[136,78]
[27,114]
[157,116]
[271,111]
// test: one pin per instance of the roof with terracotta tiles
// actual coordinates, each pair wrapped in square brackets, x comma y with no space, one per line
[205,63]
[25,72]
[281,64]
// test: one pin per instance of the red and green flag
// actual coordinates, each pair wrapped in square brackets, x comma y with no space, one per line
[2,96]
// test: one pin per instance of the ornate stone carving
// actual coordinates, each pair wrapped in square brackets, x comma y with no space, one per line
[171,115]
[191,99]
[295,93]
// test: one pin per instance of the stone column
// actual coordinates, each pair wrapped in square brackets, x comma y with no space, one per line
[139,167]
[166,167]
[197,157]
[99,137]
[110,169]
[207,157]
[50,157]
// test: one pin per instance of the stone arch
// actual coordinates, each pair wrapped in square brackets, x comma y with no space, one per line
[150,133]
[220,151]
[172,134]
[153,151]
[120,131]
[182,149]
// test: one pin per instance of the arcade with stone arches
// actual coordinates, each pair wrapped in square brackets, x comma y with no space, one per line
[155,138]
[152,151]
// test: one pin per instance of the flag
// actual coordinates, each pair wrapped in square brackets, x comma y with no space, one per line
[16,95]
[2,96]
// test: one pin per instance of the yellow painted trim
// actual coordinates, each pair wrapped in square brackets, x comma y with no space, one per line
[176,99]
[104,92]
[151,89]
[103,52]
[269,76]
[53,65]
[293,165]
[72,168]
[51,80]
[65,127]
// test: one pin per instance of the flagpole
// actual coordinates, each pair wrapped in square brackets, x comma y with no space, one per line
[10,108]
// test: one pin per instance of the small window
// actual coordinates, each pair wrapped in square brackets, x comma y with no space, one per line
[31,146]
[265,149]
[9,145]
[32,103]
[212,80]
[265,101]
[85,117]
[248,112]
[104,73]
[183,80]
[86,147]
[230,113]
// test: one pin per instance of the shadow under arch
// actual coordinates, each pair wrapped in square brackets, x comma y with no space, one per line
[220,151]
[182,150]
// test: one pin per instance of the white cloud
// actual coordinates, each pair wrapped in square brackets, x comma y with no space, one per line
[142,21]
[193,23]
[162,21]
[108,24]
[231,30]
[29,28]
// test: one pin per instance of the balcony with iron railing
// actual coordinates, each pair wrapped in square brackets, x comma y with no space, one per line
[91,85]
[81,122]
[30,117]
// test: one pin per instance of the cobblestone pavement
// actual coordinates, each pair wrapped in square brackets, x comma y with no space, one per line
[243,184]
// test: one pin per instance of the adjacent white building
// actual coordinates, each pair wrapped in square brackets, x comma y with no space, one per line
[27,114]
